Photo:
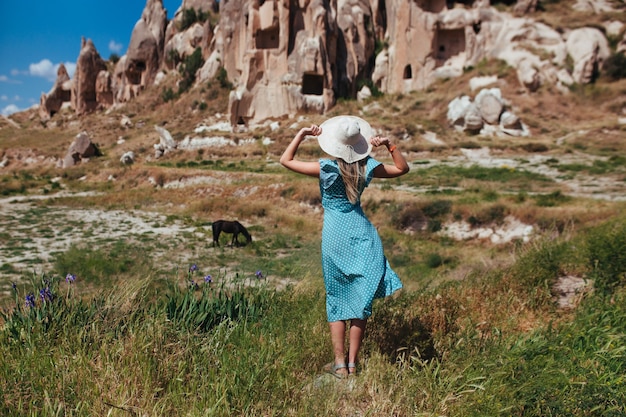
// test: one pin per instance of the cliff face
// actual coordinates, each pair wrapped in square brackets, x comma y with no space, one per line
[289,56]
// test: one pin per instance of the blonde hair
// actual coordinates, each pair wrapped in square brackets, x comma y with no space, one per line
[353,175]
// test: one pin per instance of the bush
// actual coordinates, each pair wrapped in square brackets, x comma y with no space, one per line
[188,70]
[114,58]
[168,94]
[222,78]
[191,16]
[606,248]
[615,66]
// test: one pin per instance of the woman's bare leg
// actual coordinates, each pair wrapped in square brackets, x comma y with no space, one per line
[337,337]
[357,331]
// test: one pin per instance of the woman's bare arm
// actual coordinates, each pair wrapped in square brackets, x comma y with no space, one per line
[288,157]
[399,167]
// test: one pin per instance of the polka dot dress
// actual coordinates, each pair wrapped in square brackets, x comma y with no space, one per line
[355,268]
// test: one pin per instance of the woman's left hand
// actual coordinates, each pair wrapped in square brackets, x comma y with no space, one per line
[377,141]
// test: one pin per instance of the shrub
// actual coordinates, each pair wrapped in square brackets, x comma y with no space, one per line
[615,66]
[552,199]
[188,70]
[222,78]
[606,248]
[437,208]
[168,94]
[191,16]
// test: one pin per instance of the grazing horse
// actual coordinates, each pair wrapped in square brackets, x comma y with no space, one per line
[233,227]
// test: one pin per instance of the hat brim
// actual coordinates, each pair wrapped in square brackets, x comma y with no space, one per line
[329,143]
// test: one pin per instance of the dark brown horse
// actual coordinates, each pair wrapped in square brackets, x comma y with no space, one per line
[233,227]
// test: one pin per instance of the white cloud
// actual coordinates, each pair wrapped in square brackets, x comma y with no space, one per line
[5,79]
[46,69]
[4,98]
[70,67]
[10,109]
[115,47]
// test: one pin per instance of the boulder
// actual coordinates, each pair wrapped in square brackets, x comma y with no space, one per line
[82,148]
[166,142]
[473,119]
[457,109]
[128,158]
[489,103]
[589,48]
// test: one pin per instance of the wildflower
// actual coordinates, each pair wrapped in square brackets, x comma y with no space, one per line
[30,300]
[14,285]
[208,279]
[69,278]
[193,268]
[259,274]
[46,294]
[193,285]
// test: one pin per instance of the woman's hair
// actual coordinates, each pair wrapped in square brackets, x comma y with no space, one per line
[353,175]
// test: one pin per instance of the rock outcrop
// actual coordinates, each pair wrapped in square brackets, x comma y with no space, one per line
[61,92]
[88,67]
[81,149]
[283,57]
[144,57]
[487,114]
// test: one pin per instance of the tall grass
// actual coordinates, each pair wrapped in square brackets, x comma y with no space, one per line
[173,345]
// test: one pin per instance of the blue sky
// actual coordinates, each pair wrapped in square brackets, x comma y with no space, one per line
[37,35]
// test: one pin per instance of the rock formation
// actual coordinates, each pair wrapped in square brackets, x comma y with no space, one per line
[88,66]
[285,56]
[61,92]
[81,149]
[144,57]
[487,114]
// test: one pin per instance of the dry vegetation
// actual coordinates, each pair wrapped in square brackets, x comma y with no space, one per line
[532,179]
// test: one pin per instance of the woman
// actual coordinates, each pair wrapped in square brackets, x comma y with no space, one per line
[355,268]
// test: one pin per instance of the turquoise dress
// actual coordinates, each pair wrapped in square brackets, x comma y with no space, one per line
[355,268]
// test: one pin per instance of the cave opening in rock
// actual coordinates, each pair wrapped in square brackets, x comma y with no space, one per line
[449,43]
[312,84]
[268,38]
[408,73]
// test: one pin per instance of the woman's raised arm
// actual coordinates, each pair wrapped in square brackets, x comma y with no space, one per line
[399,167]
[288,157]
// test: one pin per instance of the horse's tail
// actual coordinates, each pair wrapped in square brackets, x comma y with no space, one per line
[216,227]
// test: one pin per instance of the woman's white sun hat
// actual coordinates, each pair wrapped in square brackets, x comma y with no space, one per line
[346,137]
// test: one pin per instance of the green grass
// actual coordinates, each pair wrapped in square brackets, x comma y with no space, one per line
[155,343]
[451,176]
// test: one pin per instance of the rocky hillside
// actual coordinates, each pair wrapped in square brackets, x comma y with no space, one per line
[278,58]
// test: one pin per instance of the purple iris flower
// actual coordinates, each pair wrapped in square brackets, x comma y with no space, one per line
[208,279]
[193,268]
[259,274]
[30,300]
[69,278]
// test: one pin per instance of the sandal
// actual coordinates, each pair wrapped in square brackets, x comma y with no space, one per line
[353,367]
[332,368]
